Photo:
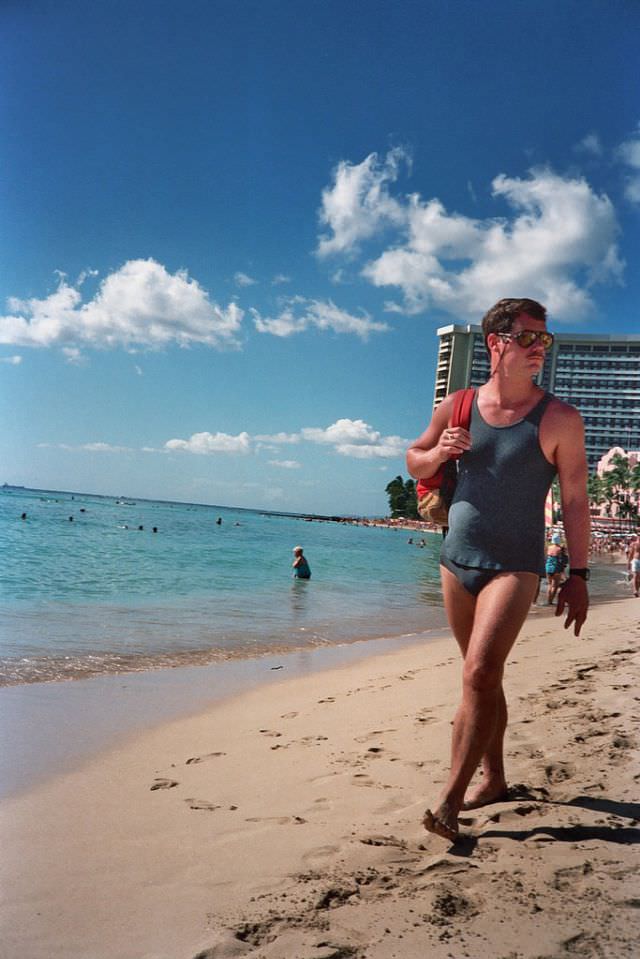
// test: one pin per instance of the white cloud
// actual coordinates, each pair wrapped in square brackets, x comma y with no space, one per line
[359,204]
[348,437]
[97,447]
[299,314]
[278,438]
[342,431]
[139,305]
[560,239]
[280,278]
[241,279]
[629,153]
[387,448]
[73,355]
[357,439]
[205,443]
[105,448]
[12,360]
[590,144]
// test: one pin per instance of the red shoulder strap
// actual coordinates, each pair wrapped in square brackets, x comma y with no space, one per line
[461,416]
[462,403]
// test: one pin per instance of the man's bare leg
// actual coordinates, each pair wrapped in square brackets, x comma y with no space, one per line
[460,606]
[493,787]
[500,611]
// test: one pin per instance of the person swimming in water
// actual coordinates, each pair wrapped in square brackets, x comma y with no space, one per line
[300,565]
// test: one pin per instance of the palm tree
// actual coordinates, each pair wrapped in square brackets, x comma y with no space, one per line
[596,490]
[617,481]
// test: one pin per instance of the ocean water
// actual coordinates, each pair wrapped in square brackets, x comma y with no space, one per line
[99,595]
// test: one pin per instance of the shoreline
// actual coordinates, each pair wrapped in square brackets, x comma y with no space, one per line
[285,821]
[35,718]
[47,670]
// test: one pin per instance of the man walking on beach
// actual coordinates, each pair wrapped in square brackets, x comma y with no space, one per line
[519,437]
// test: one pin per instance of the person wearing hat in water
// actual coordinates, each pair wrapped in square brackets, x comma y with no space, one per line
[553,567]
[301,568]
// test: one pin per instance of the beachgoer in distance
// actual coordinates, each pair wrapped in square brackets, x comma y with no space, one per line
[633,560]
[492,557]
[553,567]
[300,565]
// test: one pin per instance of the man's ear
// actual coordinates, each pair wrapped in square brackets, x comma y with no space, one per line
[493,340]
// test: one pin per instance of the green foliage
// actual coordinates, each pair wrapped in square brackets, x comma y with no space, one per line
[596,490]
[403,503]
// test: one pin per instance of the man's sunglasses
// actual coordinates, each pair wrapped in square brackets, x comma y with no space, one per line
[526,338]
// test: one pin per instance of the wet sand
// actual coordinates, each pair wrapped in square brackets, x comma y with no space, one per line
[286,821]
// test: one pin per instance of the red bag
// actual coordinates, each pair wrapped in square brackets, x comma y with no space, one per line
[435,493]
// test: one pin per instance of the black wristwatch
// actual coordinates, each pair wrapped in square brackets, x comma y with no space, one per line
[584,573]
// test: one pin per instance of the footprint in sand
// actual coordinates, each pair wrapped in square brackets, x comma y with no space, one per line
[558,772]
[373,735]
[582,671]
[289,715]
[320,854]
[512,815]
[280,820]
[425,716]
[270,732]
[201,759]
[202,804]
[361,779]
[328,699]
[164,784]
[571,879]
[382,840]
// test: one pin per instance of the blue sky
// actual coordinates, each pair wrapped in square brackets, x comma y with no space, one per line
[231,229]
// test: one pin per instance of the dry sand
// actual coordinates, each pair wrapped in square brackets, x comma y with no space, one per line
[285,823]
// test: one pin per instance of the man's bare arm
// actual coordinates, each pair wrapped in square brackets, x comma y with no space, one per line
[437,444]
[571,462]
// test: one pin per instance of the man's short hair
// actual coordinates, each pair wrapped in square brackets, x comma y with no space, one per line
[500,318]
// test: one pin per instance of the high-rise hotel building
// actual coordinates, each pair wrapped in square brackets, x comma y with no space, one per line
[598,374]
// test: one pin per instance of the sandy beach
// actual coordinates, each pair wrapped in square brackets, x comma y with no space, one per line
[286,822]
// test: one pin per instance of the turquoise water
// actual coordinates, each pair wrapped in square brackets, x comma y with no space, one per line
[97,594]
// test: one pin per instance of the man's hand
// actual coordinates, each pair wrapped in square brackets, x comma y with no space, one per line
[574,595]
[453,442]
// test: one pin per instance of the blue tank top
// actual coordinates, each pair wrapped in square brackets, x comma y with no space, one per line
[496,519]
[302,571]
